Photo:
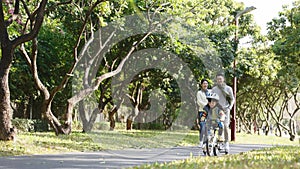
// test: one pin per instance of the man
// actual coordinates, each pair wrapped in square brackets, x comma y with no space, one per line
[226,101]
[201,102]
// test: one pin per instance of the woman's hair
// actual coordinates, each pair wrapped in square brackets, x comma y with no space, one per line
[203,80]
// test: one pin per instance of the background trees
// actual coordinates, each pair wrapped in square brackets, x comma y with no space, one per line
[43,69]
[269,86]
[284,31]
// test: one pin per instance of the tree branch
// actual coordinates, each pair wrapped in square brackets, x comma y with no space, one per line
[30,17]
[37,25]
[75,49]
[25,55]
[3,30]
[75,54]
[14,16]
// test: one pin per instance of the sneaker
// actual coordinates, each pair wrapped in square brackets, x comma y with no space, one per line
[200,144]
[220,138]
[227,147]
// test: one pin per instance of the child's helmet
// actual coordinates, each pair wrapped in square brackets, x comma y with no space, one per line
[214,96]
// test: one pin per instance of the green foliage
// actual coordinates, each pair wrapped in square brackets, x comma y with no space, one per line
[285,32]
[259,63]
[55,52]
[120,126]
[21,82]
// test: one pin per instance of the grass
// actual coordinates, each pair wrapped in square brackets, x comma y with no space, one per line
[47,142]
[29,143]
[281,157]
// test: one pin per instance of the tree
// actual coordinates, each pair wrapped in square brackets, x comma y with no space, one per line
[256,86]
[49,95]
[8,46]
[284,31]
[268,84]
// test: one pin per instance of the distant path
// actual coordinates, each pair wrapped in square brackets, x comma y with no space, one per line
[110,158]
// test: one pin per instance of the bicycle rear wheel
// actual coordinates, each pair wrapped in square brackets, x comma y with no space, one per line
[216,151]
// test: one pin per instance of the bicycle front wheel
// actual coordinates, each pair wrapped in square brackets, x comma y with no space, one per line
[209,148]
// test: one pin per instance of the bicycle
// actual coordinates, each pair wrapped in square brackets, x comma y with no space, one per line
[212,146]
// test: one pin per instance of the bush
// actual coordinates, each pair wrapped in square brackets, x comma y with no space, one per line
[23,125]
[41,125]
[101,126]
[77,125]
[28,125]
[149,126]
[120,126]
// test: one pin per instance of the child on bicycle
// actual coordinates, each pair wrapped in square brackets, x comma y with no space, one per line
[212,116]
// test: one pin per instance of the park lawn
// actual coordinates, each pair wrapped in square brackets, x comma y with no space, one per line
[28,143]
[280,157]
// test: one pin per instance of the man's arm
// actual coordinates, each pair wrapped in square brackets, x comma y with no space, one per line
[232,100]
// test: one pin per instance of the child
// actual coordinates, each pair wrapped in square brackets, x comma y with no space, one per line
[211,115]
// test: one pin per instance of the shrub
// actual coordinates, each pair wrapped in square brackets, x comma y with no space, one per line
[149,126]
[28,125]
[101,126]
[41,125]
[23,125]
[77,125]
[120,126]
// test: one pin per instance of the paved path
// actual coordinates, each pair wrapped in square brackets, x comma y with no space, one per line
[109,159]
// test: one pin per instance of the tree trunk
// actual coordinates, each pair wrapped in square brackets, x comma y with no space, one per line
[131,117]
[88,123]
[53,121]
[129,123]
[279,132]
[7,132]
[111,116]
[292,131]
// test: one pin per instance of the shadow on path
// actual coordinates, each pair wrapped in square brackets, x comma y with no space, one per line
[110,158]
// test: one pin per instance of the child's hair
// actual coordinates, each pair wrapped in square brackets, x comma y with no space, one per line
[210,99]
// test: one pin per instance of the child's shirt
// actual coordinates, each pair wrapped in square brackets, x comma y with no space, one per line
[214,114]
